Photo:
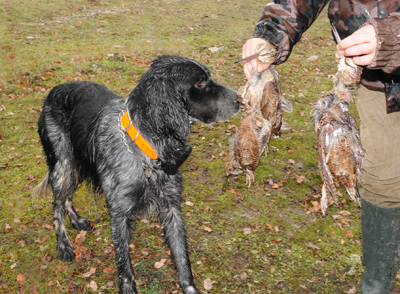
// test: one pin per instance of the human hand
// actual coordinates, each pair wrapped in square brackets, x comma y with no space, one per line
[249,48]
[361,45]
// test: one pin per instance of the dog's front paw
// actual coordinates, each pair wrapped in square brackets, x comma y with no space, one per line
[81,224]
[190,290]
[65,251]
[127,288]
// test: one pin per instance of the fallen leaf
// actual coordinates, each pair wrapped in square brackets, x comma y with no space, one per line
[246,231]
[16,220]
[207,229]
[275,186]
[243,276]
[160,264]
[214,49]
[348,234]
[342,242]
[352,291]
[188,203]
[21,278]
[13,265]
[91,271]
[97,232]
[207,284]
[345,212]
[62,267]
[80,238]
[93,286]
[110,284]
[48,227]
[300,179]
[291,161]
[312,245]
[109,270]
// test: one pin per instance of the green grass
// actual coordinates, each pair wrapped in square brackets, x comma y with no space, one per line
[45,43]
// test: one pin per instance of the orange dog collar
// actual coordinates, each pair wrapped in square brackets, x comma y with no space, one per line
[137,137]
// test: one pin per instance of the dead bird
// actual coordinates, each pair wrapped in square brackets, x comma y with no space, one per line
[261,104]
[340,152]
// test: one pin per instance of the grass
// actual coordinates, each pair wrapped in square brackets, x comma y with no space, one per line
[244,239]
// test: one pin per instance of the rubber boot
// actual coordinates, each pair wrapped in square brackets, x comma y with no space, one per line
[380,228]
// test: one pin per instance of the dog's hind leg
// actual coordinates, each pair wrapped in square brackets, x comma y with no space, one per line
[78,222]
[63,180]
[170,215]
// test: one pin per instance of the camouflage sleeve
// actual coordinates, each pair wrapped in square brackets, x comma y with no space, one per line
[387,57]
[282,22]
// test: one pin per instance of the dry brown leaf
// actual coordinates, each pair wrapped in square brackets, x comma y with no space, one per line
[207,284]
[93,286]
[275,186]
[207,229]
[160,264]
[300,179]
[62,267]
[342,242]
[16,220]
[352,291]
[345,212]
[312,245]
[48,227]
[348,234]
[188,203]
[21,278]
[91,271]
[243,276]
[109,270]
[80,238]
[97,232]
[246,231]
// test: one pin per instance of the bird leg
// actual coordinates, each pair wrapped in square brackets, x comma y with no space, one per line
[324,200]
[249,177]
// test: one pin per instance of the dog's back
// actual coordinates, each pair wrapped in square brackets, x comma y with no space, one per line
[69,118]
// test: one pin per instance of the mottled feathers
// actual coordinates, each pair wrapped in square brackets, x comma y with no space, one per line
[261,105]
[340,151]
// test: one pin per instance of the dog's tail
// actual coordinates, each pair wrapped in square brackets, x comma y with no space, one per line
[43,188]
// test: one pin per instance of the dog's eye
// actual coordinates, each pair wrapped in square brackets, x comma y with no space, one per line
[201,84]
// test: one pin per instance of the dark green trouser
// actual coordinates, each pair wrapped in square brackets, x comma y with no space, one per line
[380,229]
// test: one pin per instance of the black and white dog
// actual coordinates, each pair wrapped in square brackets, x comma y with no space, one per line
[130,150]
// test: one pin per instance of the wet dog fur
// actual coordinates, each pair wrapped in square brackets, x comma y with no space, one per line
[83,139]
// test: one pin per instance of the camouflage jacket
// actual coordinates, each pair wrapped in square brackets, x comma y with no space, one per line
[282,22]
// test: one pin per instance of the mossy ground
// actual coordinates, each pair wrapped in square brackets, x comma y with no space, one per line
[256,239]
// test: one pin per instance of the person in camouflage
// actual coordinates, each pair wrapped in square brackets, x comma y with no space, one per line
[370,32]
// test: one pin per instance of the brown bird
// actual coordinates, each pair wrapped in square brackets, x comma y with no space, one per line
[261,104]
[340,151]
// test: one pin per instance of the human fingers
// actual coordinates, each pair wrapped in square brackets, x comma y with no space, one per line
[249,48]
[363,60]
[362,41]
[359,50]
[262,67]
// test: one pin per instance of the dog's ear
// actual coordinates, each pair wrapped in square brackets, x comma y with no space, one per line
[170,122]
